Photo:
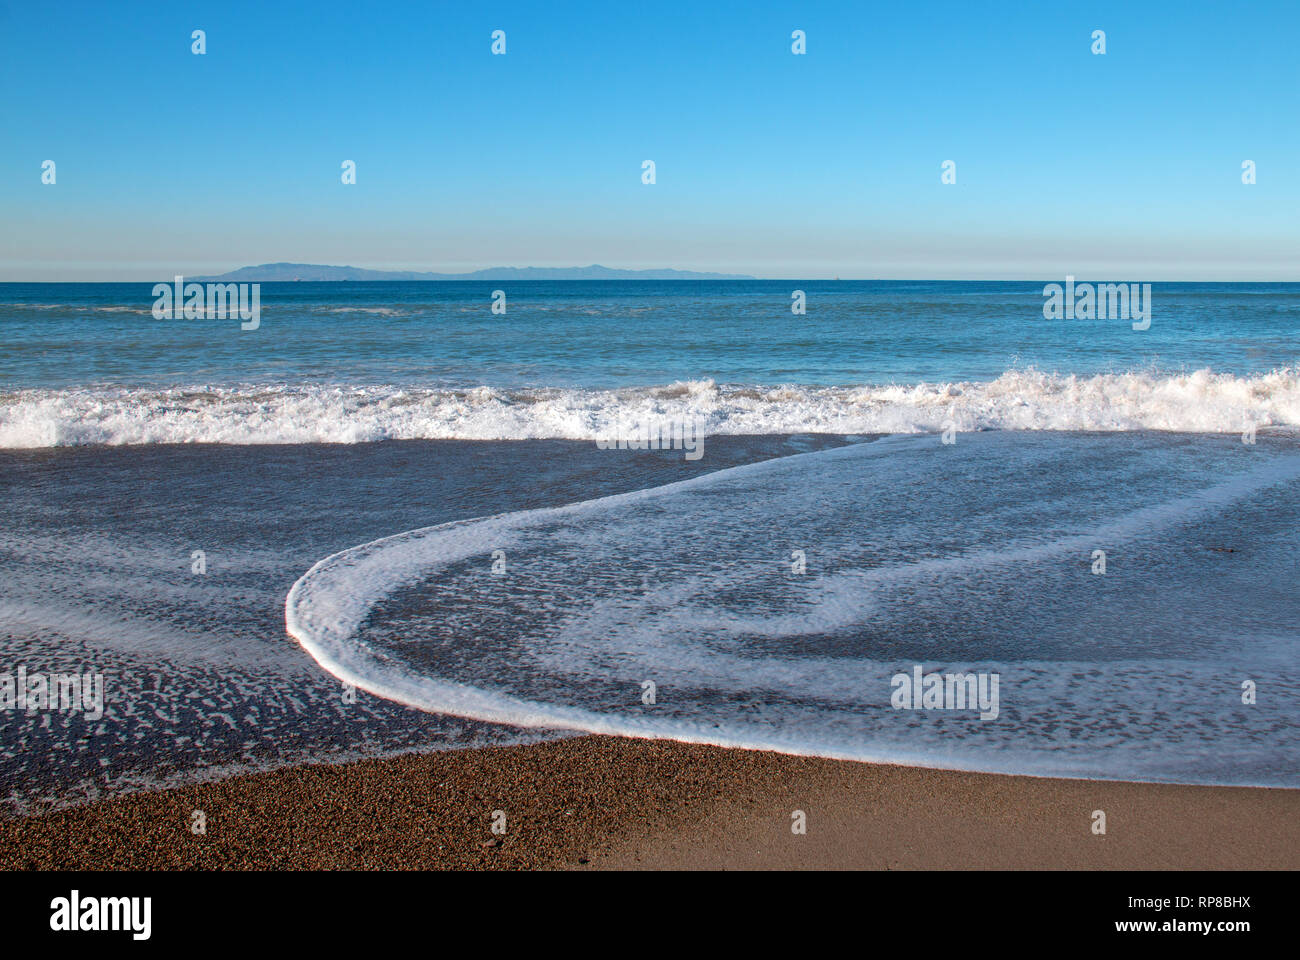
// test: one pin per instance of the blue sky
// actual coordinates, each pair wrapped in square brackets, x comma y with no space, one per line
[1123,166]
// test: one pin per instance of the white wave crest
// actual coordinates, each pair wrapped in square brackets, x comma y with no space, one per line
[1200,402]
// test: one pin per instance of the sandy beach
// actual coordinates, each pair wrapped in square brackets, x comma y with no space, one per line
[611,803]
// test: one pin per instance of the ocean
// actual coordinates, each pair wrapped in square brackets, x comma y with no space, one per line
[381,522]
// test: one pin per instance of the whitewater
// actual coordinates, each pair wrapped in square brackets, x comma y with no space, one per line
[1133,675]
[1201,401]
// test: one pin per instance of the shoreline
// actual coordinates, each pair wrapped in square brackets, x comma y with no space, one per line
[598,802]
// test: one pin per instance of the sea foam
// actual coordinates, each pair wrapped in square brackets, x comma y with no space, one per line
[1197,402]
[1134,674]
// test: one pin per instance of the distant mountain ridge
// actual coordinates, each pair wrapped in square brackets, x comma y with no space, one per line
[271,272]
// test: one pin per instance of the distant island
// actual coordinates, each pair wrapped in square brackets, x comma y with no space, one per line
[271,272]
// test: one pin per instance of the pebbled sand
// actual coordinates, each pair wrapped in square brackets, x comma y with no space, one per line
[600,802]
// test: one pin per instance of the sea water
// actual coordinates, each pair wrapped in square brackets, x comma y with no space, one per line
[909,475]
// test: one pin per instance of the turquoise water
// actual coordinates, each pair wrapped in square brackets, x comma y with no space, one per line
[603,335]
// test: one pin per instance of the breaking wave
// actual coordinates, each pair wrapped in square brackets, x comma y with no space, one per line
[1198,402]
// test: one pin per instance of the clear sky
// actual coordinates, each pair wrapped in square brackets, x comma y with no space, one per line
[1122,166]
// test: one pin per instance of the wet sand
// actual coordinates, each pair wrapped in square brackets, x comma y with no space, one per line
[601,802]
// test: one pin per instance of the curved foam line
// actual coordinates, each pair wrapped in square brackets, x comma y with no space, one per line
[327,642]
[322,615]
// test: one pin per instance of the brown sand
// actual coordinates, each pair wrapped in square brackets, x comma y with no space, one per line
[615,803]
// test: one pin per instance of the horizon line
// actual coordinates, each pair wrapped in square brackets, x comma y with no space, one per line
[1055,278]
